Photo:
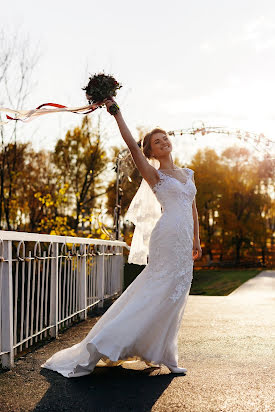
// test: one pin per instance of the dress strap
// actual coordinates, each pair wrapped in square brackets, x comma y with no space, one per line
[190,172]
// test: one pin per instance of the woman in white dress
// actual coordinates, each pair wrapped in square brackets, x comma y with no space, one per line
[143,323]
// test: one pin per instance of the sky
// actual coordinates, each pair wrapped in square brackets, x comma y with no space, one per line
[180,62]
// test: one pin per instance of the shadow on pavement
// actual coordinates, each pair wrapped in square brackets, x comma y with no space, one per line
[105,389]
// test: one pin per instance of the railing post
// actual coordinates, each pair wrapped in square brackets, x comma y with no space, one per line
[7,307]
[100,276]
[121,269]
[54,292]
[83,283]
[115,275]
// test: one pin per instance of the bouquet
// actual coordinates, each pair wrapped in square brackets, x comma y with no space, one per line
[100,87]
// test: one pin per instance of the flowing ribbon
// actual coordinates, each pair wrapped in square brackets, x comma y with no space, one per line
[28,115]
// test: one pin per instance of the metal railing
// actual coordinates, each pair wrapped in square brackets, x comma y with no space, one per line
[47,282]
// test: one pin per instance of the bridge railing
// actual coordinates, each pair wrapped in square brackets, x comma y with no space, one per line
[47,282]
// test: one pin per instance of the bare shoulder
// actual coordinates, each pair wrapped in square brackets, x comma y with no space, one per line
[153,176]
[147,171]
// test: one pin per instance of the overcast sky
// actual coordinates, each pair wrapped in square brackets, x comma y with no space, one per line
[178,61]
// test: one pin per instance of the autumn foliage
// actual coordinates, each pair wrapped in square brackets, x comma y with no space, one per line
[60,192]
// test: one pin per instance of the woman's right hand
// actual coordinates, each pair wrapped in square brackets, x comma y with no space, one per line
[109,102]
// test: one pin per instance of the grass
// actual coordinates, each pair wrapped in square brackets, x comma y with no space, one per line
[220,282]
[205,282]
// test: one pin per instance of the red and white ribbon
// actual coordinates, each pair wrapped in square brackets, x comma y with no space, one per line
[28,115]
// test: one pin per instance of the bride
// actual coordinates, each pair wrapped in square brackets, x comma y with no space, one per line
[143,323]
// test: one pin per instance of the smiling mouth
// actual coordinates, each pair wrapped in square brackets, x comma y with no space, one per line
[167,145]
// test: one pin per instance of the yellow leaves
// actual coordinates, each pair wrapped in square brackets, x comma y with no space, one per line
[49,203]
[62,190]
[56,226]
[55,199]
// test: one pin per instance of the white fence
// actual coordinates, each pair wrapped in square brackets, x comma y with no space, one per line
[47,282]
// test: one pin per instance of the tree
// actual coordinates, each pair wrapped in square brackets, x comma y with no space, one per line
[32,175]
[11,187]
[40,186]
[80,161]
[210,175]
[17,62]
[244,205]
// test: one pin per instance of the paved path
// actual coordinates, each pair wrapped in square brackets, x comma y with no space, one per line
[260,287]
[226,343]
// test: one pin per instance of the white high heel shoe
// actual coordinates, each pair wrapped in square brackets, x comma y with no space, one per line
[176,369]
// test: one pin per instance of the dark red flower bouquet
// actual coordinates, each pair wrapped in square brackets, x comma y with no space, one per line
[100,87]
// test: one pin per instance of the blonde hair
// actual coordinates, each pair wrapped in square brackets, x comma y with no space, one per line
[146,142]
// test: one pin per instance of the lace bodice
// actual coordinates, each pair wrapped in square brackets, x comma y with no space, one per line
[171,192]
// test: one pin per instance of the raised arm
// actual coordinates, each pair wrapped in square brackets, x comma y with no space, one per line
[147,171]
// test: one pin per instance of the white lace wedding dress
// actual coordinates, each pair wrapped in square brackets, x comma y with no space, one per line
[143,323]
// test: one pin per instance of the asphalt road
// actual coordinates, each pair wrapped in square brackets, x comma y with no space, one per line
[226,343]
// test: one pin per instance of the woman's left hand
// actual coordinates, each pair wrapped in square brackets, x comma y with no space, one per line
[197,252]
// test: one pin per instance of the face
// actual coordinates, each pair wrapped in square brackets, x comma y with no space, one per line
[160,145]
